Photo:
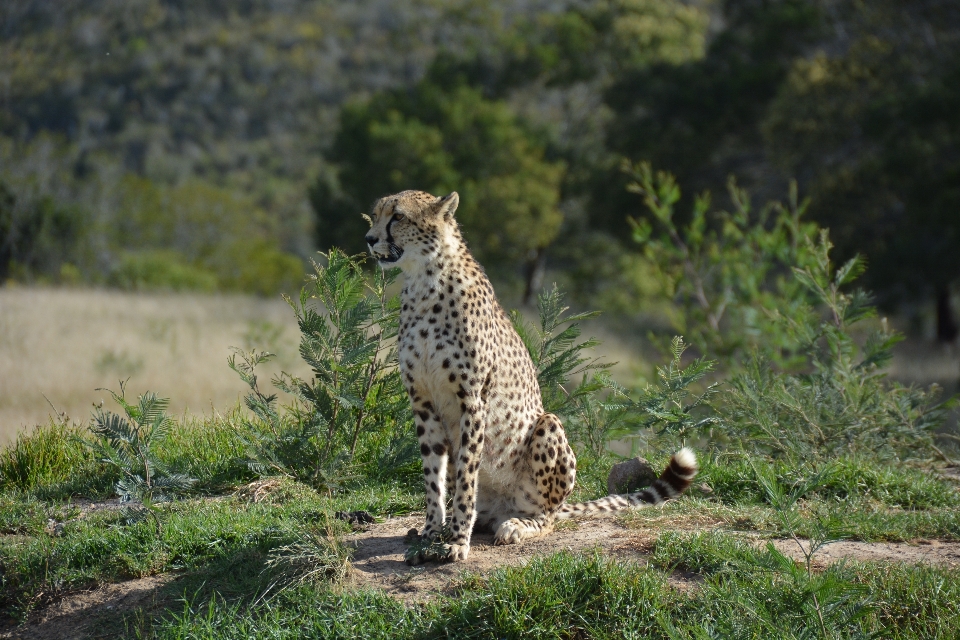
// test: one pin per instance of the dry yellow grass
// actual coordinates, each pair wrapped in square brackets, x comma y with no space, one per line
[65,343]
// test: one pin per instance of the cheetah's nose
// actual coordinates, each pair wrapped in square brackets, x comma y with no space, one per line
[371,240]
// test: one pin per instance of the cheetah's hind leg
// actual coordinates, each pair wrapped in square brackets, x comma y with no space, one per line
[516,529]
[554,470]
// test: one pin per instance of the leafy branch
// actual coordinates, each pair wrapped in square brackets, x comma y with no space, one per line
[127,444]
[354,405]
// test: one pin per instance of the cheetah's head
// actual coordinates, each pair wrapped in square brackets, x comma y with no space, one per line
[409,227]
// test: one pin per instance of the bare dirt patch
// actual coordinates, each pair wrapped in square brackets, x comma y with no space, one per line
[94,613]
[920,551]
[378,560]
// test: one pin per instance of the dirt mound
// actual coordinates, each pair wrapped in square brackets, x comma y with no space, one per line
[378,560]
[90,613]
[378,563]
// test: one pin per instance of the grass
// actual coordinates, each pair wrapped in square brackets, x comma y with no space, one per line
[221,543]
[63,344]
[587,596]
[266,559]
[226,548]
[868,502]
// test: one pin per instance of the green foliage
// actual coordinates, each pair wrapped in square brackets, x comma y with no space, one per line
[679,114]
[196,236]
[37,236]
[889,100]
[843,404]
[441,139]
[597,409]
[353,410]
[726,272]
[146,234]
[160,270]
[663,406]
[593,410]
[858,100]
[556,353]
[208,450]
[806,357]
[578,44]
[127,445]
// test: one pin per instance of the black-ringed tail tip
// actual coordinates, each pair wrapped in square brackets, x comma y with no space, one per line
[675,479]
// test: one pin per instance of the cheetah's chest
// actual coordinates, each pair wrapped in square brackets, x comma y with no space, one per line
[432,360]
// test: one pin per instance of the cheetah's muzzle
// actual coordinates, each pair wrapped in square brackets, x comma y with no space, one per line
[393,256]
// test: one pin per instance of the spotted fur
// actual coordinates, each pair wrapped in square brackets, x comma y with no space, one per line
[484,436]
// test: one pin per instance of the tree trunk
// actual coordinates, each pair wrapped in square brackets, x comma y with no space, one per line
[947,329]
[534,274]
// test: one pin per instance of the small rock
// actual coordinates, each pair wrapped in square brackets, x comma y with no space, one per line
[630,475]
[54,528]
[355,518]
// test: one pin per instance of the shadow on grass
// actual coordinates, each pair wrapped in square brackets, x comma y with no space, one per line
[130,608]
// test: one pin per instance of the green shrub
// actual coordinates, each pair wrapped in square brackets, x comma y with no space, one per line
[841,403]
[127,445]
[806,357]
[725,272]
[353,410]
[162,270]
[49,456]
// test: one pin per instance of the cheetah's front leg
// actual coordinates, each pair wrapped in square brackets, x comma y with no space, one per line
[433,450]
[464,510]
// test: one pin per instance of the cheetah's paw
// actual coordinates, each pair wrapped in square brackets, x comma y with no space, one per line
[458,552]
[508,533]
[436,551]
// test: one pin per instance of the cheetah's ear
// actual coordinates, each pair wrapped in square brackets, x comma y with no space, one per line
[447,205]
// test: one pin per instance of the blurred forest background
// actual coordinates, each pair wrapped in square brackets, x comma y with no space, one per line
[215,145]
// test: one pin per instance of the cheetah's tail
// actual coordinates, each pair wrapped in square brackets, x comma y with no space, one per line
[672,482]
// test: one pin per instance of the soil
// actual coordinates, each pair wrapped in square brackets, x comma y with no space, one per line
[94,613]
[378,560]
[918,551]
[378,564]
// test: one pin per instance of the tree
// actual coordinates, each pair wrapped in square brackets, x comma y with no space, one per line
[699,118]
[875,132]
[36,236]
[440,139]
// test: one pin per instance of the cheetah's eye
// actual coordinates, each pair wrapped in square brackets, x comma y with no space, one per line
[397,217]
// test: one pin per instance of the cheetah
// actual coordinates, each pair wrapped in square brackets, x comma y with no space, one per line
[483,433]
